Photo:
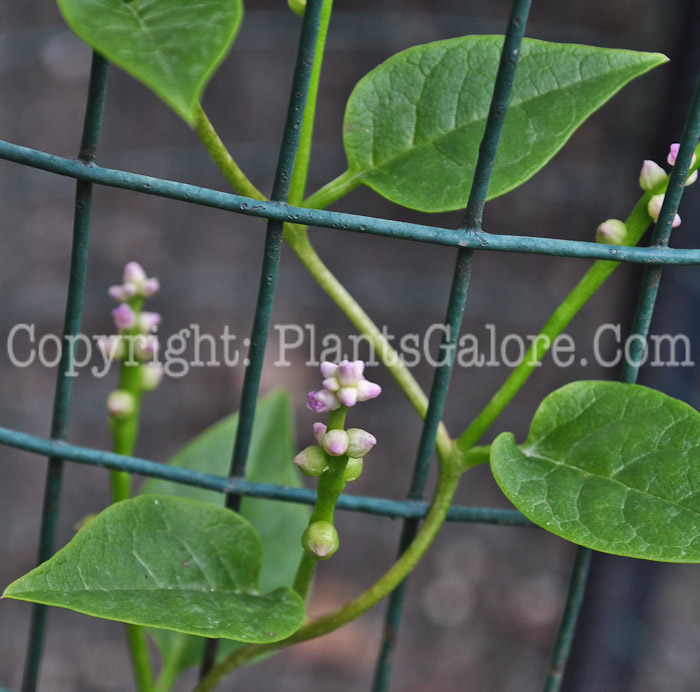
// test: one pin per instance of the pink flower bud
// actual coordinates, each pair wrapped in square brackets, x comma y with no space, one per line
[360,442]
[150,286]
[149,321]
[654,209]
[322,401]
[367,390]
[319,431]
[691,178]
[651,175]
[611,232]
[111,347]
[347,396]
[673,154]
[335,442]
[328,369]
[124,317]
[353,470]
[150,376]
[134,273]
[120,404]
[331,384]
[117,293]
[320,539]
[311,461]
[146,346]
[348,373]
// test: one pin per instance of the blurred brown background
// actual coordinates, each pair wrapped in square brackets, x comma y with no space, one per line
[483,607]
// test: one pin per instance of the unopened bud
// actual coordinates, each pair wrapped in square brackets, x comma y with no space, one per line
[319,431]
[335,442]
[311,461]
[353,470]
[120,404]
[124,317]
[320,539]
[652,174]
[150,376]
[360,442]
[297,6]
[654,209]
[134,273]
[148,321]
[611,232]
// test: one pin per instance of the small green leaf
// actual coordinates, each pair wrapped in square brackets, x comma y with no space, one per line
[166,562]
[610,466]
[413,125]
[278,524]
[172,46]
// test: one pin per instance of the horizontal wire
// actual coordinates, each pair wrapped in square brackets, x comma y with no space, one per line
[474,239]
[208,481]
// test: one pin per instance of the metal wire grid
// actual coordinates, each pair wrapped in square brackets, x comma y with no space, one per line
[467,239]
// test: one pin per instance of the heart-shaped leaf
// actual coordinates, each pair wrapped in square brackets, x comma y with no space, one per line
[278,524]
[166,562]
[610,466]
[172,46]
[413,125]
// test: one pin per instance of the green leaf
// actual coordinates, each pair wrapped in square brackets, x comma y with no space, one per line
[413,125]
[166,562]
[278,524]
[610,466]
[172,46]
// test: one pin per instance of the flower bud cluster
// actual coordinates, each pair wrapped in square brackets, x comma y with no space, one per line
[652,175]
[338,453]
[135,340]
[355,443]
[343,385]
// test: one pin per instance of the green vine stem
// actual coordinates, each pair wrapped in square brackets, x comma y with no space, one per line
[447,485]
[637,224]
[333,191]
[298,240]
[124,433]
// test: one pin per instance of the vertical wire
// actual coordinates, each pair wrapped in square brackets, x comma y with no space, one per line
[71,327]
[640,330]
[453,320]
[270,265]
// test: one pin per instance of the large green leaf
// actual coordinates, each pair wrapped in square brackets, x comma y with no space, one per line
[172,46]
[610,466]
[278,524]
[167,562]
[413,125]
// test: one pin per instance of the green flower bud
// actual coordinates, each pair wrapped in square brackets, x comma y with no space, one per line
[311,461]
[611,232]
[320,539]
[297,6]
[121,404]
[359,442]
[353,470]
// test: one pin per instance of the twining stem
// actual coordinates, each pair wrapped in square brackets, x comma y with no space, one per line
[298,240]
[637,223]
[447,484]
[221,157]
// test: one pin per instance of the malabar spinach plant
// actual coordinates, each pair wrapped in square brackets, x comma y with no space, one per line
[611,466]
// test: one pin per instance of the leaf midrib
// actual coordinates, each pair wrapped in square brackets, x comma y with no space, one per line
[356,176]
[611,480]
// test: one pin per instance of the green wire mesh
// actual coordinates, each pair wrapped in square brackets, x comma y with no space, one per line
[468,239]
